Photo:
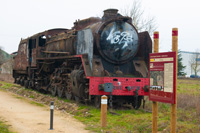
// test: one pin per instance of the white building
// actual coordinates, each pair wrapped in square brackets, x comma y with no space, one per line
[187,58]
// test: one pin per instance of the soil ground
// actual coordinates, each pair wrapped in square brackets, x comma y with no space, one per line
[28,118]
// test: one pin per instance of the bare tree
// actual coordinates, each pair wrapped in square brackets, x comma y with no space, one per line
[139,20]
[195,62]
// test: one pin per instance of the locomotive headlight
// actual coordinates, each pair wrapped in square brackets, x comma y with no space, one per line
[118,41]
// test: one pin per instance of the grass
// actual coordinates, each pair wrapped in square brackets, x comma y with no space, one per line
[37,104]
[65,100]
[4,128]
[121,121]
[31,96]
[138,120]
[19,97]
[188,86]
[188,112]
[6,85]
[31,102]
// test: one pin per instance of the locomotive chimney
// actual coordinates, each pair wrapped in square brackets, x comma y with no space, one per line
[109,14]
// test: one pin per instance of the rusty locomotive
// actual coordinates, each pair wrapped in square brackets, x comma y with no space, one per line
[97,56]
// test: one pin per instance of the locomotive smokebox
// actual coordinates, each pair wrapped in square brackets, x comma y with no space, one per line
[117,39]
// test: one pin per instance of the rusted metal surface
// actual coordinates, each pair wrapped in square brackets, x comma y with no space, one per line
[141,67]
[145,46]
[86,65]
[98,69]
[85,44]
[81,24]
[44,37]
[56,52]
[110,14]
[33,58]
[53,32]
[21,62]
[63,42]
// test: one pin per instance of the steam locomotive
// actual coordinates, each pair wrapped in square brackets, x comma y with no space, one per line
[97,56]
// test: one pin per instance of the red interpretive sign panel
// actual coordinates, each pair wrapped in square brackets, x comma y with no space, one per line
[162,69]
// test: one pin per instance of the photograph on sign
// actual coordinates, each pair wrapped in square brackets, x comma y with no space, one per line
[156,80]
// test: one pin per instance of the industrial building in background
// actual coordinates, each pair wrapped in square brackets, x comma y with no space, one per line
[192,62]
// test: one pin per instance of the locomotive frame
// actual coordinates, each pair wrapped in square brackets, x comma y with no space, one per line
[79,63]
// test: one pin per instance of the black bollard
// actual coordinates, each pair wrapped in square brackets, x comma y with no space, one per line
[51,116]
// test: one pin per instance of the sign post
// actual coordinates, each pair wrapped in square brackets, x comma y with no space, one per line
[155,104]
[163,79]
[174,106]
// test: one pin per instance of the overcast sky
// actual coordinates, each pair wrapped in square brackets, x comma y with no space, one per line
[23,18]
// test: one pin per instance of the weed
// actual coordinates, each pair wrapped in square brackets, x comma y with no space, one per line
[66,100]
[38,104]
[19,97]
[4,128]
[6,85]
[164,107]
[188,86]
[31,96]
[188,101]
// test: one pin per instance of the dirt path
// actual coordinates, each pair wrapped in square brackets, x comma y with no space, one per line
[27,118]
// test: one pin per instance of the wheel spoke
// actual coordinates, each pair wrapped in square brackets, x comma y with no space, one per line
[60,91]
[53,90]
[136,105]
[77,99]
[68,92]
[97,101]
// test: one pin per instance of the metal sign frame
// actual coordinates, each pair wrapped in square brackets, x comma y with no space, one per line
[162,75]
